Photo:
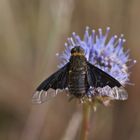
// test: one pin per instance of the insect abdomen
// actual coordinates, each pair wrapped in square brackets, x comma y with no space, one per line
[77,82]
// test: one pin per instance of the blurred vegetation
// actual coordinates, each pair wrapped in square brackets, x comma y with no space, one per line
[31,33]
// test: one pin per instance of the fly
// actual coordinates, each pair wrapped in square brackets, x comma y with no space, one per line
[81,79]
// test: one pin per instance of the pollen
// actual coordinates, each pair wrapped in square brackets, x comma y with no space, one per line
[70,71]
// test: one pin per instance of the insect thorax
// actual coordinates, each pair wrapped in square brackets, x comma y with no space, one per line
[77,81]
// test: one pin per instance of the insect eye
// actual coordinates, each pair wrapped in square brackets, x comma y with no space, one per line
[73,50]
[77,49]
[82,50]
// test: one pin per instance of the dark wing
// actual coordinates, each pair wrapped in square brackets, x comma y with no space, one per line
[103,84]
[56,81]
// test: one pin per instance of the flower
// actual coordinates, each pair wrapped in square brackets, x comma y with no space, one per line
[106,54]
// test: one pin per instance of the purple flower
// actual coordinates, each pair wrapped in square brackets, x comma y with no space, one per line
[107,54]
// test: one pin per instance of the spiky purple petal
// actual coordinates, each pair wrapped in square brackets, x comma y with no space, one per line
[106,55]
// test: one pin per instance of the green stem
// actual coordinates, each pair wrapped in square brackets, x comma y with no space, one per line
[85,121]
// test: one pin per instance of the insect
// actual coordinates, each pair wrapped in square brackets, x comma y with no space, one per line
[80,78]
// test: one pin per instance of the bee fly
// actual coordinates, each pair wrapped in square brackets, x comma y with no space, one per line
[81,79]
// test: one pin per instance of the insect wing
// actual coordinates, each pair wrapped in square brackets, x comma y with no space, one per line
[42,96]
[56,81]
[102,84]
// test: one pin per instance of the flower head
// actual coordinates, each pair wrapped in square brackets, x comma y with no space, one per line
[106,54]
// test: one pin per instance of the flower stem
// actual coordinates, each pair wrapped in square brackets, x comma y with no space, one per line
[85,121]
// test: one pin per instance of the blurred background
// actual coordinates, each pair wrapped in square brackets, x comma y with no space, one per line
[31,33]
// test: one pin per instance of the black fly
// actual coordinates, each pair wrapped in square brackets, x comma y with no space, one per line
[81,79]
